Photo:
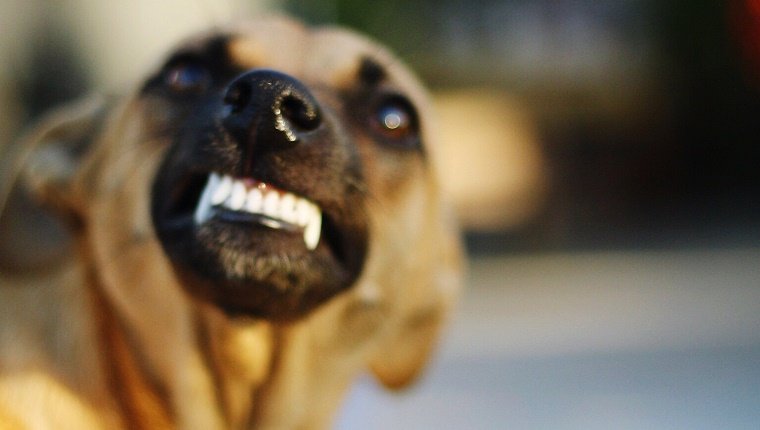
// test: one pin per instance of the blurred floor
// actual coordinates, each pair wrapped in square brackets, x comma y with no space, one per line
[600,340]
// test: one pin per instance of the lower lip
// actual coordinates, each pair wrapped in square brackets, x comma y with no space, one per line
[248,218]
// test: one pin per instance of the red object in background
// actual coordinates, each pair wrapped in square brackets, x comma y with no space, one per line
[745,24]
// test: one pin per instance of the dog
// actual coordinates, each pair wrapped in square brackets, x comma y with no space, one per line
[252,228]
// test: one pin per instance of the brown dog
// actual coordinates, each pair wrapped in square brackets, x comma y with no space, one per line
[253,227]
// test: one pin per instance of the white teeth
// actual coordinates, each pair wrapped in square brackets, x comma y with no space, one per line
[203,211]
[223,188]
[313,229]
[255,201]
[237,199]
[280,207]
[288,208]
[303,212]
[272,205]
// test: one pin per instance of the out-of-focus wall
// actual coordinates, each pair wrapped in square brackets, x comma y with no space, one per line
[105,46]
[121,40]
[491,160]
[17,23]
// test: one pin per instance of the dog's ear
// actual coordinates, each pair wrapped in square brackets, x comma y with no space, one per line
[52,153]
[36,195]
[406,352]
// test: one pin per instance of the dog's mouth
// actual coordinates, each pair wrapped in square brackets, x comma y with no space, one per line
[254,248]
[248,201]
[254,207]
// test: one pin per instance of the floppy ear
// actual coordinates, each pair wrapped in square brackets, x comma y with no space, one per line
[36,196]
[406,352]
[52,153]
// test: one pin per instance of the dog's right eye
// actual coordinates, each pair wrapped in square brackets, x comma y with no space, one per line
[187,77]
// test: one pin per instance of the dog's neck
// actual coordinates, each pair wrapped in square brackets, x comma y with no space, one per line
[170,363]
[214,372]
[213,383]
[240,356]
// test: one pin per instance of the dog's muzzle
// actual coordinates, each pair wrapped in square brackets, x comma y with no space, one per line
[265,110]
[260,201]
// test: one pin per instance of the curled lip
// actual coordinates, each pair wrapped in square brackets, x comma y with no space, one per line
[246,199]
[197,203]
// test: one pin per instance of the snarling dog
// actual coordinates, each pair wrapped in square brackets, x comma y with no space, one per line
[252,228]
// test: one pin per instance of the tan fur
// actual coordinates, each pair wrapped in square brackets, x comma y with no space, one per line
[108,339]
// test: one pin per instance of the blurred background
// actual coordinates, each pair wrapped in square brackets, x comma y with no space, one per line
[604,160]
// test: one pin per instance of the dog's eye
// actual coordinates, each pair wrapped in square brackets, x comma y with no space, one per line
[395,118]
[187,77]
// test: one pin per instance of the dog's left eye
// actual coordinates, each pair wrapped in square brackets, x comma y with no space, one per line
[187,77]
[396,118]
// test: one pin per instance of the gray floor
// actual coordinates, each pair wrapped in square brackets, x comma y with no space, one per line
[609,340]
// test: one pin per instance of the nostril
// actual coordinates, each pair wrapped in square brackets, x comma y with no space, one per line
[299,113]
[266,108]
[238,96]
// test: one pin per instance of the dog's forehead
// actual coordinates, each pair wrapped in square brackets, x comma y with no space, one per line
[327,55]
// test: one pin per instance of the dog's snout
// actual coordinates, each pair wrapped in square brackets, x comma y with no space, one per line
[269,107]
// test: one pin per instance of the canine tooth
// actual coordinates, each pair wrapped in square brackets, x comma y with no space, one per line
[271,206]
[313,230]
[203,210]
[223,188]
[255,201]
[237,198]
[288,208]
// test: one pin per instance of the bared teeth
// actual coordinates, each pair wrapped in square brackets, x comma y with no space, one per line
[238,196]
[303,212]
[255,201]
[288,208]
[271,205]
[246,195]
[203,210]
[221,190]
[312,230]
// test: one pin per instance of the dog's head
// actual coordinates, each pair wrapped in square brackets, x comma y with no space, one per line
[274,164]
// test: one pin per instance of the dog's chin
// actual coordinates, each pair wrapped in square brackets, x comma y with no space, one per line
[254,250]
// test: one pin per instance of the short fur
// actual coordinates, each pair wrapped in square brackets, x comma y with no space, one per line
[103,328]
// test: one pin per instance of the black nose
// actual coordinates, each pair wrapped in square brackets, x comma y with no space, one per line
[269,108]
